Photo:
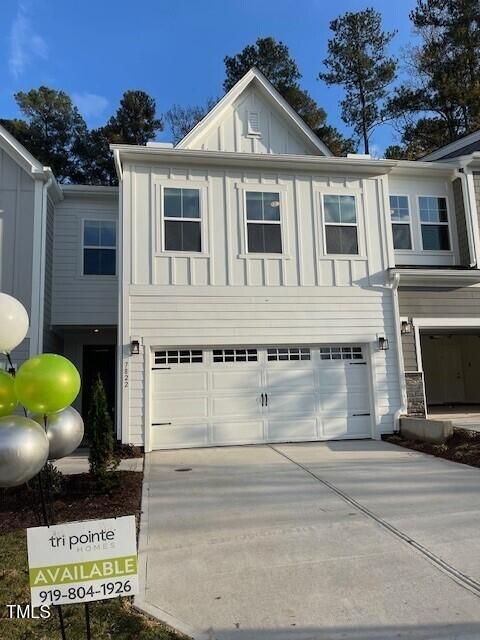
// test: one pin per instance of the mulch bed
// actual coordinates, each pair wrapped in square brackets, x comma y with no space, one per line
[463,446]
[78,499]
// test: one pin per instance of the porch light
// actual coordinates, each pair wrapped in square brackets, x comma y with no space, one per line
[406,327]
[135,347]
[383,344]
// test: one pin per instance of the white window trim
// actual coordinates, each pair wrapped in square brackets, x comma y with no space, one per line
[264,188]
[409,222]
[326,254]
[448,224]
[202,220]
[84,246]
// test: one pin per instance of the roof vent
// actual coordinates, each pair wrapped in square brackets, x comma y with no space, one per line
[253,123]
[160,145]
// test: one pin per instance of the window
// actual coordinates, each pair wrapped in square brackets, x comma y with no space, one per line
[264,231]
[235,355]
[341,353]
[186,356]
[181,212]
[340,224]
[434,221]
[288,354]
[99,248]
[400,222]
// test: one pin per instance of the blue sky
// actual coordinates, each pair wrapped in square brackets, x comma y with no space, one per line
[173,49]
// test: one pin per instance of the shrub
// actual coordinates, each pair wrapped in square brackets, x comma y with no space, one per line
[102,457]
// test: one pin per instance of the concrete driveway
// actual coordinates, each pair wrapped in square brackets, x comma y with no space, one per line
[340,540]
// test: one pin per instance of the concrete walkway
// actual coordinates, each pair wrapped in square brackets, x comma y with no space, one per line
[78,463]
[352,540]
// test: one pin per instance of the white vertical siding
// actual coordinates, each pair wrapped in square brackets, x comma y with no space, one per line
[79,299]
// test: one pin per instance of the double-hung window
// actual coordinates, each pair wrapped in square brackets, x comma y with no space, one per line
[400,214]
[182,221]
[99,248]
[340,224]
[434,222]
[264,229]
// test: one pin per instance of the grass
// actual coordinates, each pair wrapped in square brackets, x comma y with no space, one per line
[110,619]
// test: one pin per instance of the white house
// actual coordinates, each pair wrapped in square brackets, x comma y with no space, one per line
[257,288]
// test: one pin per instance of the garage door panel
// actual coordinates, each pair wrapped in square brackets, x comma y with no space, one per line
[290,378]
[234,404]
[350,402]
[166,382]
[342,375]
[178,436]
[243,378]
[299,404]
[173,408]
[348,427]
[279,430]
[237,432]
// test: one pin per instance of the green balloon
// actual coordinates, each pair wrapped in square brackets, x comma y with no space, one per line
[8,399]
[47,383]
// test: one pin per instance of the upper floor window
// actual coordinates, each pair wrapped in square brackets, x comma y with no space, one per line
[99,247]
[340,224]
[400,214]
[264,230]
[434,223]
[182,221]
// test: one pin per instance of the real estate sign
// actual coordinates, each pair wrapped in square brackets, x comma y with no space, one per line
[83,561]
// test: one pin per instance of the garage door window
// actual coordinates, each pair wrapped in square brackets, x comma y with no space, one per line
[341,353]
[235,355]
[178,357]
[288,353]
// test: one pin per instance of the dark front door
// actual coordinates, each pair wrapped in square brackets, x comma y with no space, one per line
[100,361]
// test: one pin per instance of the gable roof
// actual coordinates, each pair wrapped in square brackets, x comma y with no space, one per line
[18,152]
[462,146]
[260,81]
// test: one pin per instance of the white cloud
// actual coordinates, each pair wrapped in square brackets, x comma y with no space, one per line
[90,105]
[25,43]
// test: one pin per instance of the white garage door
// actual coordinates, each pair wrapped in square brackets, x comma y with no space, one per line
[208,397]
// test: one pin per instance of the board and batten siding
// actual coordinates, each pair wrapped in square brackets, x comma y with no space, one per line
[79,299]
[227,297]
[231,132]
[440,303]
[17,203]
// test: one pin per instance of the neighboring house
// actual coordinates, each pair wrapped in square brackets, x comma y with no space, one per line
[440,303]
[263,290]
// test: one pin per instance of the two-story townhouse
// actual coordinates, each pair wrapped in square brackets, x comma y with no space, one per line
[256,299]
[437,254]
[58,256]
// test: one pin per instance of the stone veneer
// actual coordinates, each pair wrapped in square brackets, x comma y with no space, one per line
[415,393]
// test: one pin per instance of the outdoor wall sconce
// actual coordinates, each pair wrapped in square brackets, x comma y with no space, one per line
[406,327]
[135,347]
[383,343]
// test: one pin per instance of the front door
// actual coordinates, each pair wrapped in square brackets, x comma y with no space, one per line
[99,360]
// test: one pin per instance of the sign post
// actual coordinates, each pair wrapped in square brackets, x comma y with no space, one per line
[83,561]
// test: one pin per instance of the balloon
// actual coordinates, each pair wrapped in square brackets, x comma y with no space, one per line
[8,399]
[13,323]
[64,432]
[23,450]
[47,383]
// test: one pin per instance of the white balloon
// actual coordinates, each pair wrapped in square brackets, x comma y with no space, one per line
[23,450]
[13,323]
[64,431]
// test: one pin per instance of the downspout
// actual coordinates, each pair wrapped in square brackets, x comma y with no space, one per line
[120,347]
[400,364]
[43,256]
[460,173]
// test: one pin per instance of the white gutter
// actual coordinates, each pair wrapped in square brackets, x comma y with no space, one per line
[118,164]
[398,340]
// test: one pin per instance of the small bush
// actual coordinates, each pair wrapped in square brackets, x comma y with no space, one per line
[102,457]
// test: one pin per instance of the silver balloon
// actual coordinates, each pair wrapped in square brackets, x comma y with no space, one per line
[23,450]
[64,430]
